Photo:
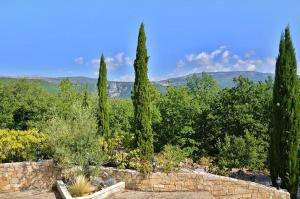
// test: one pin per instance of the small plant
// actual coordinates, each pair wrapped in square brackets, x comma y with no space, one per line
[205,162]
[170,158]
[145,167]
[219,170]
[133,159]
[81,186]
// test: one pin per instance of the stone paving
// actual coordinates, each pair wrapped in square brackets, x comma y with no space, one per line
[162,195]
[35,194]
[32,194]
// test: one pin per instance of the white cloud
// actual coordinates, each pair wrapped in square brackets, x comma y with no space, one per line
[225,54]
[216,52]
[222,59]
[79,60]
[249,54]
[95,62]
[113,62]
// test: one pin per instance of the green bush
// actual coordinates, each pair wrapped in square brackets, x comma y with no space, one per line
[24,104]
[241,152]
[73,139]
[133,159]
[219,170]
[205,161]
[16,145]
[170,158]
[120,116]
[145,167]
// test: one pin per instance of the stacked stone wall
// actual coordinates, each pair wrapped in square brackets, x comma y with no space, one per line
[219,186]
[20,176]
[43,175]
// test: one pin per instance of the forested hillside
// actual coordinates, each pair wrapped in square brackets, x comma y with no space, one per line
[201,118]
[123,89]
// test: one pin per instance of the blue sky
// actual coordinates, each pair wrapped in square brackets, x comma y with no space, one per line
[66,38]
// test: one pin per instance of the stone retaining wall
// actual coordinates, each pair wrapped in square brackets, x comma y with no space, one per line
[218,186]
[42,175]
[20,176]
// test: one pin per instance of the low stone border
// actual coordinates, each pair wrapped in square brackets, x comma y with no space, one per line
[102,194]
[219,186]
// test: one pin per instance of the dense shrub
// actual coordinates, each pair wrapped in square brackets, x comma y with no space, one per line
[16,145]
[24,105]
[241,152]
[73,139]
[178,112]
[120,120]
[170,158]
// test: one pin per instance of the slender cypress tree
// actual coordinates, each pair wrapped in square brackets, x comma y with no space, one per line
[141,99]
[85,96]
[103,120]
[285,124]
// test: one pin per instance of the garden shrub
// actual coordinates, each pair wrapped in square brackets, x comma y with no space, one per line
[118,152]
[170,158]
[145,167]
[205,161]
[73,139]
[17,145]
[241,152]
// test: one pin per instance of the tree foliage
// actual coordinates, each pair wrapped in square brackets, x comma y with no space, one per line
[178,116]
[73,140]
[240,152]
[85,100]
[142,100]
[285,123]
[24,105]
[103,114]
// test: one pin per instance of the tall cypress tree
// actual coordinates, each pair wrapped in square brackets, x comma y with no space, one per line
[141,99]
[85,96]
[285,124]
[103,120]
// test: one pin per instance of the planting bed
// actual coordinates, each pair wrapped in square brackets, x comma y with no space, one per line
[102,194]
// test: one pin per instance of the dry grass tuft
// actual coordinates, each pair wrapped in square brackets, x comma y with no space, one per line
[81,187]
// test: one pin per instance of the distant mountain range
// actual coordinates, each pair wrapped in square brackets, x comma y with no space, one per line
[123,89]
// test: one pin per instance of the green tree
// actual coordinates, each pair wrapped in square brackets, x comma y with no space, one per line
[121,117]
[204,89]
[6,107]
[246,106]
[285,123]
[178,116]
[67,95]
[24,105]
[103,114]
[204,92]
[240,152]
[85,96]
[142,100]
